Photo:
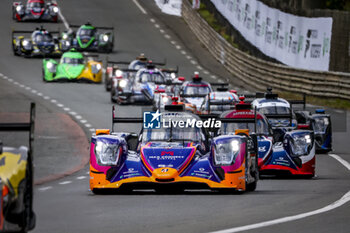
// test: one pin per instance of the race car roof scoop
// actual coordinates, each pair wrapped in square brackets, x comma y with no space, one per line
[222,89]
[197,79]
[175,107]
[271,96]
[244,106]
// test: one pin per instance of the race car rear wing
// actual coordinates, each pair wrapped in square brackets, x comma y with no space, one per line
[86,54]
[128,62]
[222,102]
[28,31]
[232,120]
[116,120]
[193,96]
[22,126]
[170,70]
[299,102]
[102,28]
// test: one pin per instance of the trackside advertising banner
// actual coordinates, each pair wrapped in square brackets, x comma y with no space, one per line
[171,7]
[296,41]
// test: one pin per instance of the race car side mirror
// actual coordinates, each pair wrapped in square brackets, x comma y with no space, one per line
[0,147]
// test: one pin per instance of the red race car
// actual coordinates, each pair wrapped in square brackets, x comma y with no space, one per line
[35,10]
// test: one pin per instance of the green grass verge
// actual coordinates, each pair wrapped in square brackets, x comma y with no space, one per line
[211,20]
[324,101]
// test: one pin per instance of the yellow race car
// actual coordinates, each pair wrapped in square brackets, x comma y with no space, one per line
[16,179]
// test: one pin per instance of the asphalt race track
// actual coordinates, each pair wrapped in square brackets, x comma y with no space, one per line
[67,205]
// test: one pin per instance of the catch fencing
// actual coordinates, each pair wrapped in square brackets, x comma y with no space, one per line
[259,73]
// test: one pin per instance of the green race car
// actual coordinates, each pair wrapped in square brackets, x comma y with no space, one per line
[73,66]
[88,38]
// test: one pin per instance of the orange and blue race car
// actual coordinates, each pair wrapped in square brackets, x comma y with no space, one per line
[166,156]
[16,180]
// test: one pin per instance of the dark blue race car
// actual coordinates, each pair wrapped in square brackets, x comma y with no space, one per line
[285,116]
[40,43]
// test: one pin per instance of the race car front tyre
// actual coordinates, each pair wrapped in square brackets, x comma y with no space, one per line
[43,74]
[108,84]
[255,173]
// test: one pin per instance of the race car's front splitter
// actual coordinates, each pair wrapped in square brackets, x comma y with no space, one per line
[232,181]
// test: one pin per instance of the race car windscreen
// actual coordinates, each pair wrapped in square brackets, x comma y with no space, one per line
[196,90]
[171,134]
[136,65]
[261,127]
[72,61]
[151,77]
[86,32]
[171,130]
[274,110]
[35,5]
[40,38]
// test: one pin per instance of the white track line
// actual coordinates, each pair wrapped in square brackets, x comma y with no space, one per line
[140,7]
[341,160]
[45,188]
[65,182]
[344,199]
[81,177]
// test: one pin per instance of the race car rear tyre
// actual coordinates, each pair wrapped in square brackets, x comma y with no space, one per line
[108,84]
[252,186]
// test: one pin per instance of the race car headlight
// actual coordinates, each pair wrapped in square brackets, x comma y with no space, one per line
[123,83]
[66,43]
[107,154]
[165,99]
[18,8]
[95,68]
[65,37]
[118,73]
[226,152]
[51,67]
[55,9]
[320,125]
[301,144]
[105,38]
[25,43]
